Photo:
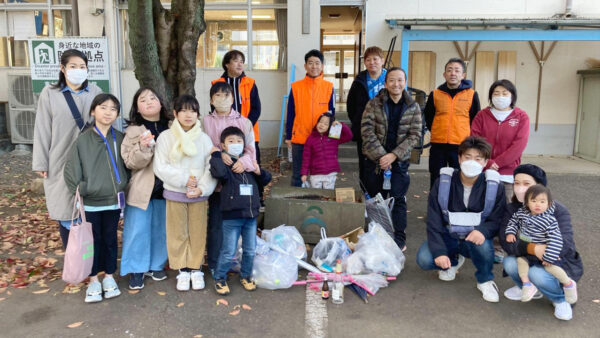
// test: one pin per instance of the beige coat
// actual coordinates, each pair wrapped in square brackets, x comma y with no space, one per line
[54,133]
[138,159]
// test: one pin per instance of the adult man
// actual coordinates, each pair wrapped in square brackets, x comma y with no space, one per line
[390,127]
[308,99]
[245,94]
[448,114]
[474,221]
[365,86]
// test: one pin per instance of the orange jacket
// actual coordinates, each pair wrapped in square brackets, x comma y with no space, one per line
[451,123]
[311,98]
[245,88]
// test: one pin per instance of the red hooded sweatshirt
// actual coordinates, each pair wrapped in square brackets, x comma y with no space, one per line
[320,156]
[508,138]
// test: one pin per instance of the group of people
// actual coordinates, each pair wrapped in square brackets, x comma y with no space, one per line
[180,184]
[186,186]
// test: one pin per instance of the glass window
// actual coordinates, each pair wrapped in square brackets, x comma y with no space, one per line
[338,39]
[269,27]
[62,2]
[225,30]
[23,25]
[127,57]
[63,23]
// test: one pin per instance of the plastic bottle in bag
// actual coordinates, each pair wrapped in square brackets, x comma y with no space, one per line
[337,296]
[387,179]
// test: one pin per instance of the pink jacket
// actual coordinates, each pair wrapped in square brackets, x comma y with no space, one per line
[214,125]
[320,156]
[508,138]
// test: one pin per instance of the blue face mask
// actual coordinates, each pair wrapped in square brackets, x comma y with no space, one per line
[235,149]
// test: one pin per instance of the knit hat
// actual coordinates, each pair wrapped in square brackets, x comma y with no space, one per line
[538,174]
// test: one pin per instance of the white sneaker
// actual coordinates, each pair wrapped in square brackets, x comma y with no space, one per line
[489,291]
[197,280]
[449,274]
[183,281]
[563,311]
[515,293]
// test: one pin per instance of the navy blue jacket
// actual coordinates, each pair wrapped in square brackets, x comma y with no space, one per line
[358,96]
[570,260]
[233,204]
[437,227]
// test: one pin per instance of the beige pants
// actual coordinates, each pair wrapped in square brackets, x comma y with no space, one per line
[554,270]
[186,234]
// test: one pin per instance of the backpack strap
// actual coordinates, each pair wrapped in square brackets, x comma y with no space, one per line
[492,179]
[444,190]
[74,110]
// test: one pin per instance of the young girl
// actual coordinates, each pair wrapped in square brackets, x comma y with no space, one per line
[320,157]
[223,116]
[144,232]
[535,223]
[181,161]
[96,168]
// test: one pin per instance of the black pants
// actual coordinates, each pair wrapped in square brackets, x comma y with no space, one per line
[104,228]
[215,230]
[297,152]
[361,160]
[441,155]
[261,188]
[400,181]
[64,235]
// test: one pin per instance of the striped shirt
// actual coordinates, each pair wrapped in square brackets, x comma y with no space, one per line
[539,229]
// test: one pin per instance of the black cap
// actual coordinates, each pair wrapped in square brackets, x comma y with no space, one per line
[538,174]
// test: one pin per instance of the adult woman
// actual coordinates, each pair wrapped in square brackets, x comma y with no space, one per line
[506,128]
[144,231]
[57,127]
[525,176]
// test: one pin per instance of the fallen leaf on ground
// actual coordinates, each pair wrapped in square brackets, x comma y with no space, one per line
[180,304]
[2,290]
[71,289]
[246,307]
[235,312]
[133,292]
[74,325]
[198,336]
[416,196]
[3,298]
[161,293]
[222,301]
[596,301]
[237,307]
[420,217]
[41,291]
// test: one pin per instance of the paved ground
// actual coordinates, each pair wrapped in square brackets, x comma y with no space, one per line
[416,305]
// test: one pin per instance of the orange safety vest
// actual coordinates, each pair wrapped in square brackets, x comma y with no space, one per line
[311,99]
[245,88]
[451,123]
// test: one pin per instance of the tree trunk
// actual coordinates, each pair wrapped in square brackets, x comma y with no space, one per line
[164,44]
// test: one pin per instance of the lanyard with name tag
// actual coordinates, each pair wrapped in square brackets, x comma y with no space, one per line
[112,159]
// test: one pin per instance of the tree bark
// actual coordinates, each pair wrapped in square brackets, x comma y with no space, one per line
[164,44]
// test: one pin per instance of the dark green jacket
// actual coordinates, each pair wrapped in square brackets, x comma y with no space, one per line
[89,167]
[374,127]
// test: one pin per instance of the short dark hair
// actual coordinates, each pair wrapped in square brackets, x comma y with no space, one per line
[229,131]
[220,87]
[509,86]
[534,191]
[457,60]
[135,117]
[64,60]
[326,114]
[232,54]
[313,52]
[103,97]
[394,69]
[477,143]
[186,101]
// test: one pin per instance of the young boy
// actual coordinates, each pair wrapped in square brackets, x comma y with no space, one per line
[449,240]
[239,206]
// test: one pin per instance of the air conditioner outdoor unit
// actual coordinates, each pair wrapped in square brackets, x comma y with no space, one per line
[22,108]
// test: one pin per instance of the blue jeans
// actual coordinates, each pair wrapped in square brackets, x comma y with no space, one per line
[144,238]
[482,257]
[297,151]
[232,228]
[400,181]
[548,285]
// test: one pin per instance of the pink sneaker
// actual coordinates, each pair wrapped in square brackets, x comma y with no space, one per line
[528,291]
[571,293]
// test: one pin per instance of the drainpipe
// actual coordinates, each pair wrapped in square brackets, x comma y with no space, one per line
[568,8]
[113,52]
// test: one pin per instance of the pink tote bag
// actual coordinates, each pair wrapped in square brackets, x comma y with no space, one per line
[79,255]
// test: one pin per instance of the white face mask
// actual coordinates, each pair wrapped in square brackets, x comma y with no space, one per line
[235,149]
[520,191]
[471,168]
[222,104]
[77,76]
[501,102]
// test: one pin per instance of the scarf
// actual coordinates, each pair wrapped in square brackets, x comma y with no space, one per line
[184,141]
